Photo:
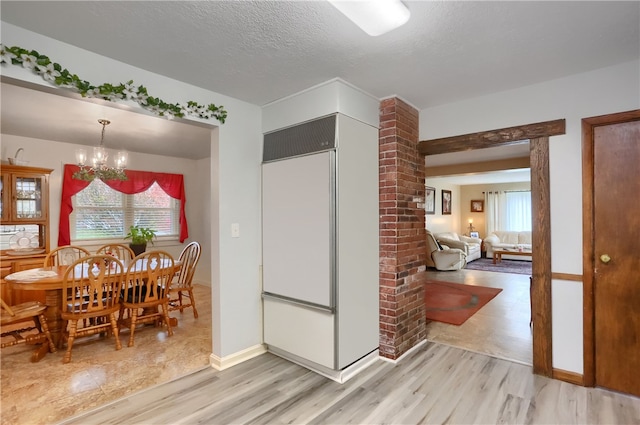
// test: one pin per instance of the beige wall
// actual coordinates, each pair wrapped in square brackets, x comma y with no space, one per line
[476,191]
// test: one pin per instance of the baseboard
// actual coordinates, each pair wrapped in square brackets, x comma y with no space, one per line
[236,358]
[406,353]
[571,377]
[339,376]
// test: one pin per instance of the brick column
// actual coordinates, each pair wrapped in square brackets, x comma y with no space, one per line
[402,230]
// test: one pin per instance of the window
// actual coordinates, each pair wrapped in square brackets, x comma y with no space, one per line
[518,211]
[508,211]
[131,208]
[100,212]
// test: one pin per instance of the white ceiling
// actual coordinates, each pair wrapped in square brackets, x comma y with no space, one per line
[260,51]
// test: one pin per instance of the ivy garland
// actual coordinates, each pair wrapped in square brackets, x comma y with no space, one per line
[54,73]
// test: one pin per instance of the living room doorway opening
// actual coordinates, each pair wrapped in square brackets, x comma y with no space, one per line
[538,135]
[501,327]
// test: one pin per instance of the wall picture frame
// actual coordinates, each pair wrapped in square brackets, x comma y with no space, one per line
[430,200]
[477,205]
[446,202]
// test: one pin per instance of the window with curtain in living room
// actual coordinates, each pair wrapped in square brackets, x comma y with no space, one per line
[518,211]
[508,210]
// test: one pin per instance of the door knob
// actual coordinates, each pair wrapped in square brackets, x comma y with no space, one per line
[605,258]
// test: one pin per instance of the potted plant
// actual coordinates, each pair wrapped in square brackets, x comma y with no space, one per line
[140,236]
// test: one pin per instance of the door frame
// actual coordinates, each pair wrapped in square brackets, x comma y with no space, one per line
[538,136]
[588,254]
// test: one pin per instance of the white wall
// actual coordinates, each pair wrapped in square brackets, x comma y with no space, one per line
[235,198]
[604,91]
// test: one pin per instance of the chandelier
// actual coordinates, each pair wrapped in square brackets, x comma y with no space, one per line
[99,168]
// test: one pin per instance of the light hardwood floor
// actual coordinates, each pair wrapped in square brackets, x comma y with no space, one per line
[434,384]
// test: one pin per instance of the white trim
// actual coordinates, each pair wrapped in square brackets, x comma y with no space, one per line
[325,83]
[411,350]
[236,358]
[402,99]
[339,376]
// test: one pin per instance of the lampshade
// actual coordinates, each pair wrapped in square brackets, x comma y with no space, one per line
[375,17]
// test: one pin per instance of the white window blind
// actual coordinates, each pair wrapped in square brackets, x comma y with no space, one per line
[100,212]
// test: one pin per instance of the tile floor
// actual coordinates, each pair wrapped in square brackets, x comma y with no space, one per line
[500,328]
[49,391]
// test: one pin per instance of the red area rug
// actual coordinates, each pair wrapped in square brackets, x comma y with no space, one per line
[454,303]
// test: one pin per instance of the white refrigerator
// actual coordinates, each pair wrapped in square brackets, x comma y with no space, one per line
[320,242]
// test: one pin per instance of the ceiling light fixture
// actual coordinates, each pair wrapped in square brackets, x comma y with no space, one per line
[375,17]
[99,169]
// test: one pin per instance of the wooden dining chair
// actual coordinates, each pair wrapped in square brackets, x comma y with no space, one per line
[92,285]
[13,320]
[65,255]
[121,251]
[146,290]
[182,284]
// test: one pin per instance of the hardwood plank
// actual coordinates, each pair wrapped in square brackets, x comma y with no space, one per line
[434,384]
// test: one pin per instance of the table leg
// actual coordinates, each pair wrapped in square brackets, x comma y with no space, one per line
[40,352]
[53,300]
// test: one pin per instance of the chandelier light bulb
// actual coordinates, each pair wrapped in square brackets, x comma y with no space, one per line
[81,157]
[121,160]
[100,156]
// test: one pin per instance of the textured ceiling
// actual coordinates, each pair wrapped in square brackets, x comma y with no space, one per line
[260,51]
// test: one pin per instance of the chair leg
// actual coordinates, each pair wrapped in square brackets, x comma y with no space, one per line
[165,316]
[133,316]
[114,329]
[64,334]
[45,330]
[193,303]
[180,301]
[73,327]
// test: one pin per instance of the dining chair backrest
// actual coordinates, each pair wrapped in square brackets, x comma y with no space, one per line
[189,258]
[148,278]
[182,294]
[118,250]
[92,283]
[65,255]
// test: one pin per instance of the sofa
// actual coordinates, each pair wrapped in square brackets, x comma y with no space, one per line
[470,246]
[442,257]
[505,240]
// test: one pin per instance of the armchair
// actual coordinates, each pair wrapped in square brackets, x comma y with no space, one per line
[443,258]
[470,246]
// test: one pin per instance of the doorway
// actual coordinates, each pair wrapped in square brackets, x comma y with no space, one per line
[611,182]
[538,135]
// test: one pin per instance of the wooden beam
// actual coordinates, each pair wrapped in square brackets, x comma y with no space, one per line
[477,167]
[541,266]
[492,139]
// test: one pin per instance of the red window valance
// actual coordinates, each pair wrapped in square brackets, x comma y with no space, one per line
[138,181]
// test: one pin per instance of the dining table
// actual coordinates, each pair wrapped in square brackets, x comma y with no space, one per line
[50,279]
